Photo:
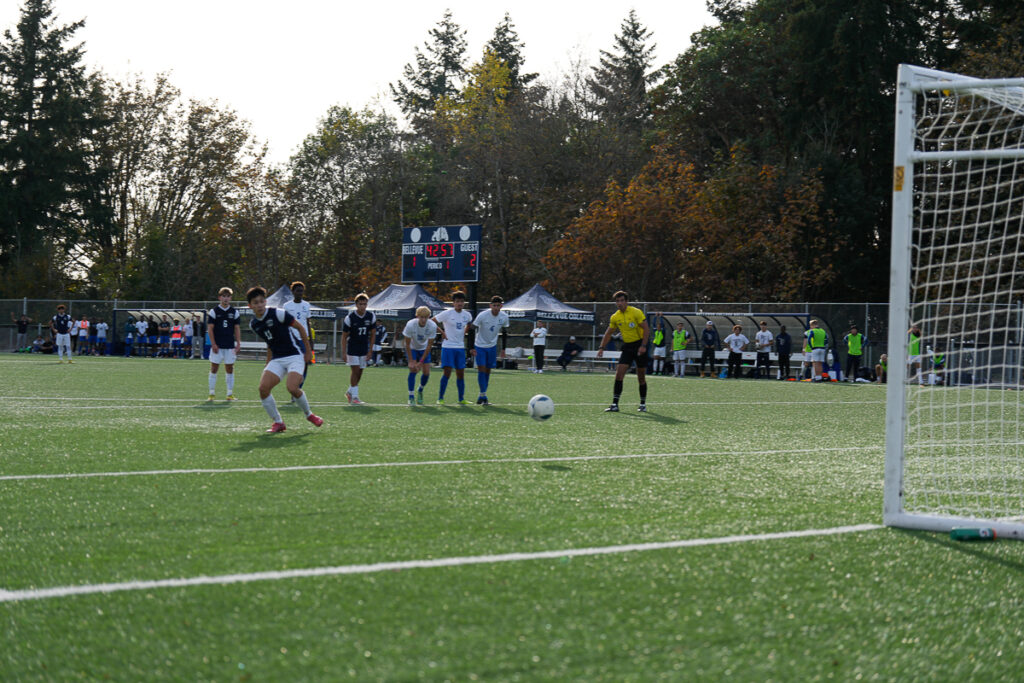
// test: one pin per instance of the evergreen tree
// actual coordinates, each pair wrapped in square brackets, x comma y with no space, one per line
[507,48]
[620,82]
[437,73]
[50,183]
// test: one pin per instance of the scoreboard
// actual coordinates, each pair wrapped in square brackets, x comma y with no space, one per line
[442,253]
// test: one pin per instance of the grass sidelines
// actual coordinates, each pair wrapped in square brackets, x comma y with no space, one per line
[387,486]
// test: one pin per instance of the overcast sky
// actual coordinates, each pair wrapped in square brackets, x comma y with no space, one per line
[280,64]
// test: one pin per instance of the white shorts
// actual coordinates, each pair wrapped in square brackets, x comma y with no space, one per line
[659,351]
[356,361]
[378,347]
[283,366]
[679,355]
[225,356]
[911,360]
[817,355]
[63,340]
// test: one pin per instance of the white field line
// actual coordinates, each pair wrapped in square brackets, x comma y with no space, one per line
[423,463]
[343,570]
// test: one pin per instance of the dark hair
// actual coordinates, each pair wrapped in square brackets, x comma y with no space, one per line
[621,293]
[361,296]
[298,283]
[497,299]
[61,307]
[255,292]
[457,294]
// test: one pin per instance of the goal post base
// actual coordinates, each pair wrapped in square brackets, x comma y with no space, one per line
[1004,529]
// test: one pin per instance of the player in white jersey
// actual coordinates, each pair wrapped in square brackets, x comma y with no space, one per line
[488,326]
[453,323]
[418,337]
[300,310]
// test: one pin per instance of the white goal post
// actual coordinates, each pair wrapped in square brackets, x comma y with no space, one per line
[954,429]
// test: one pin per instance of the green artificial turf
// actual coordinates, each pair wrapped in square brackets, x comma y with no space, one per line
[388,483]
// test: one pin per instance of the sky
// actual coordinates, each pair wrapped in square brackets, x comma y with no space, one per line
[280,64]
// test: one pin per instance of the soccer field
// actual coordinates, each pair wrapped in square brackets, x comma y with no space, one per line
[732,532]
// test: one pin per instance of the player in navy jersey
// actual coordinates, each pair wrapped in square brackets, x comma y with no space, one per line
[222,324]
[357,334]
[60,327]
[285,357]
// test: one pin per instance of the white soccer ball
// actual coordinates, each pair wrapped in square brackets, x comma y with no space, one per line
[540,407]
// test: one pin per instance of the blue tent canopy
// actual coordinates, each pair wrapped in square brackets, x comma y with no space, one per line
[399,302]
[539,304]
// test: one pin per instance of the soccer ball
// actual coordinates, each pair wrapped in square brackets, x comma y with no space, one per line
[540,407]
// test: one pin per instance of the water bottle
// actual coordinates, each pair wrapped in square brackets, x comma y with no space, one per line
[973,534]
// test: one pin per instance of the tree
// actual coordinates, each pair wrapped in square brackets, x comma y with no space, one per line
[437,72]
[507,49]
[50,181]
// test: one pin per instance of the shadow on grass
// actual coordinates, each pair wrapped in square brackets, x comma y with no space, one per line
[266,441]
[664,419]
[211,405]
[979,550]
[557,468]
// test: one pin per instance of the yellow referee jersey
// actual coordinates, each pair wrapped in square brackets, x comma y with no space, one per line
[628,324]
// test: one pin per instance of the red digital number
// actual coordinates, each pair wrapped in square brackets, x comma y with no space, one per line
[472,260]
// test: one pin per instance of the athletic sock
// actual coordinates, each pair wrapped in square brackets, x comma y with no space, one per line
[643,393]
[230,379]
[423,381]
[270,405]
[304,404]
[461,384]
[617,391]
[442,388]
[412,381]
[213,381]
[481,380]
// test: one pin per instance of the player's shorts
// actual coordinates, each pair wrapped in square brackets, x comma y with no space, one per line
[378,347]
[225,356]
[283,366]
[92,339]
[659,351]
[175,343]
[631,354]
[679,356]
[486,357]
[453,358]
[63,340]
[420,355]
[817,355]
[913,359]
[356,361]
[165,339]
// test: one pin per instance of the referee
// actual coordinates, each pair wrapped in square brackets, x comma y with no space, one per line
[632,325]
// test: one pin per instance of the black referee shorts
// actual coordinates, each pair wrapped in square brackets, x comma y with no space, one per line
[631,354]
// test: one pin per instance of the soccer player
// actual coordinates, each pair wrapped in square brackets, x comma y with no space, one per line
[737,341]
[632,325]
[763,340]
[453,323]
[300,310]
[165,337]
[101,338]
[817,342]
[60,327]
[418,336]
[222,324]
[488,325]
[176,334]
[679,339]
[357,333]
[285,356]
[141,327]
[380,337]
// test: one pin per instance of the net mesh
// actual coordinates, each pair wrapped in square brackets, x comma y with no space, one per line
[964,446]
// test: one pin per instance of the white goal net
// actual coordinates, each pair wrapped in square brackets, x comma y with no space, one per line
[955,442]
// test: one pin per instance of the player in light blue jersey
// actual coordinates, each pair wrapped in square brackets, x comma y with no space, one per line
[418,336]
[488,326]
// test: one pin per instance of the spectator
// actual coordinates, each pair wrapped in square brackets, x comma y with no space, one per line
[710,342]
[854,352]
[737,341]
[658,341]
[22,323]
[680,337]
[763,340]
[569,352]
[101,328]
[37,345]
[539,336]
[784,349]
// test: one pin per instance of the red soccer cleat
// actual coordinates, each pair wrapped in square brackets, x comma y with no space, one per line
[276,427]
[317,421]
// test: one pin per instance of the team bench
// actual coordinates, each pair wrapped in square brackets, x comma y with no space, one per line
[584,360]
[588,360]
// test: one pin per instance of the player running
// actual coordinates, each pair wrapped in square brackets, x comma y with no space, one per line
[418,337]
[222,326]
[630,322]
[453,323]
[357,333]
[285,357]
[488,325]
